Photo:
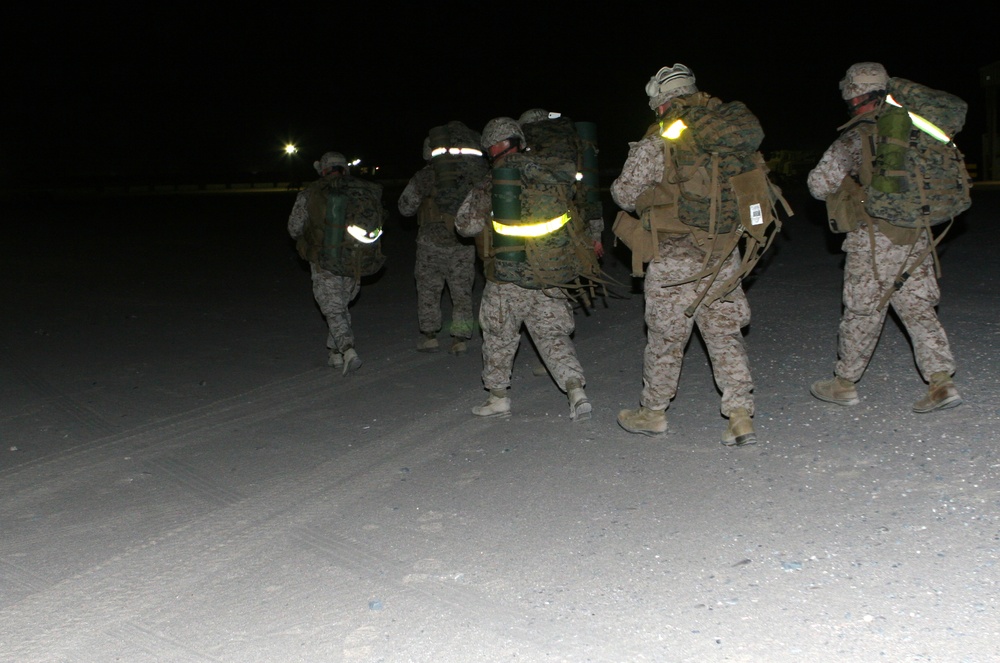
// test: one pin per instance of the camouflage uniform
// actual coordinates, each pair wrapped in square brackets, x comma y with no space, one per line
[669,328]
[442,259]
[546,313]
[333,293]
[862,322]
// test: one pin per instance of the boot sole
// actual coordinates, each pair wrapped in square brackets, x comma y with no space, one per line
[582,412]
[946,404]
[640,431]
[741,440]
[492,415]
[835,401]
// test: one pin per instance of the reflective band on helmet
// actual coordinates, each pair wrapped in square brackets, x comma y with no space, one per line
[674,131]
[532,229]
[922,123]
[456,151]
[364,236]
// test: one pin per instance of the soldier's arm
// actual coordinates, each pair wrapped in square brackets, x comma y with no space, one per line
[475,209]
[297,219]
[416,190]
[839,161]
[643,168]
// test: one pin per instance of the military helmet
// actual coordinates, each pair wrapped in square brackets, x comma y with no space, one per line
[863,78]
[670,82]
[536,115]
[500,129]
[330,160]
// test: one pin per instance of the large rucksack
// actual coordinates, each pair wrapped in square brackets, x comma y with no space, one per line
[574,146]
[534,241]
[914,174]
[343,233]
[715,186]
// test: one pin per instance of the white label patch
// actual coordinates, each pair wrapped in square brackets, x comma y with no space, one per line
[756,217]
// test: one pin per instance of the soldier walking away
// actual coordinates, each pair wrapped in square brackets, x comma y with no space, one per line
[531,254]
[691,181]
[337,224]
[455,163]
[892,174]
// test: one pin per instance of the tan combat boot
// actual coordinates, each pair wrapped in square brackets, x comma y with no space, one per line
[838,390]
[352,361]
[335,359]
[740,431]
[497,405]
[643,421]
[579,404]
[458,346]
[941,395]
[427,343]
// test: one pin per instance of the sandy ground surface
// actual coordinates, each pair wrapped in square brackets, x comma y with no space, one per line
[182,478]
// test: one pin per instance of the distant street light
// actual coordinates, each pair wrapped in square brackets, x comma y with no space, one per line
[290,151]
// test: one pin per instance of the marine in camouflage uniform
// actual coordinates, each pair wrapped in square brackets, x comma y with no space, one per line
[682,255]
[333,293]
[875,252]
[505,307]
[443,258]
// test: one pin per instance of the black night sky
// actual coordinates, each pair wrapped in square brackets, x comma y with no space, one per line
[186,91]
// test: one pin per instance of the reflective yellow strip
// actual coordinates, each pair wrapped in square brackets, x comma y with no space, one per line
[922,123]
[457,151]
[364,236]
[674,131]
[532,229]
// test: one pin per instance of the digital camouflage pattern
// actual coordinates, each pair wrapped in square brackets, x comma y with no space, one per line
[558,139]
[731,133]
[548,316]
[333,296]
[669,329]
[862,319]
[333,293]
[681,257]
[442,258]
[926,183]
[454,174]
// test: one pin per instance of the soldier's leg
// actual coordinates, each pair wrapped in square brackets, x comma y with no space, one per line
[860,323]
[720,326]
[333,295]
[667,334]
[550,324]
[461,279]
[429,273]
[915,303]
[500,319]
